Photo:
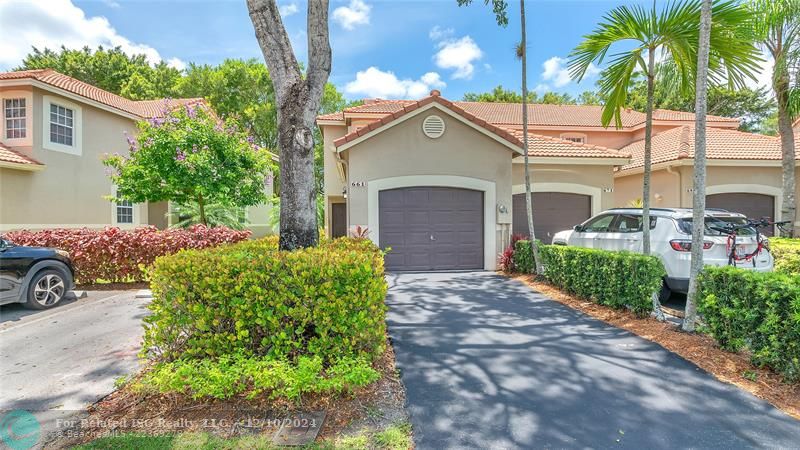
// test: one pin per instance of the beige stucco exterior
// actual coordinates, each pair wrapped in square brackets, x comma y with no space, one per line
[401,155]
[72,188]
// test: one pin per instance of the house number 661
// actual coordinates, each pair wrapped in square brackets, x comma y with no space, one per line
[358,183]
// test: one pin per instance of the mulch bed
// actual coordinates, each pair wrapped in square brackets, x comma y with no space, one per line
[700,349]
[371,408]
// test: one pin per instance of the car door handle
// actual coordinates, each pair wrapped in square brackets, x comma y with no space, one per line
[433,238]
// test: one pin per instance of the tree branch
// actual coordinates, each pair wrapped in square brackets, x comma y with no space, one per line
[319,54]
[275,45]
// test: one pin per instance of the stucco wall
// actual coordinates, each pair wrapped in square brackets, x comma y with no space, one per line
[587,179]
[69,191]
[404,151]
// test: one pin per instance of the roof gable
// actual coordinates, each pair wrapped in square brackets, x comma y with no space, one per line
[144,109]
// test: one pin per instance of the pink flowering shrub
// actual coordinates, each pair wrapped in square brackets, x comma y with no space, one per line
[115,255]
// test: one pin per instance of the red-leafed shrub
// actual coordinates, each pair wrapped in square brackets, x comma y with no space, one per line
[115,255]
[506,259]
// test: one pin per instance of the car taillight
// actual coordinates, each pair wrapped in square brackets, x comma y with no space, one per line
[680,245]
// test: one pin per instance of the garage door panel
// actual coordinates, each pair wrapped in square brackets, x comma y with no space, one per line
[408,217]
[754,206]
[552,212]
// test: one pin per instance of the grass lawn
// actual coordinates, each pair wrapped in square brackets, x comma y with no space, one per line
[397,437]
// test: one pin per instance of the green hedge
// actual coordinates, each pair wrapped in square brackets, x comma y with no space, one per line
[252,299]
[758,311]
[611,278]
[786,252]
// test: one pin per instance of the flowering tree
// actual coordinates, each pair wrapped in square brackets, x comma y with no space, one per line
[189,156]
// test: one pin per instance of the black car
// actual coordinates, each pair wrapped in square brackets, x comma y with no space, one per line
[38,277]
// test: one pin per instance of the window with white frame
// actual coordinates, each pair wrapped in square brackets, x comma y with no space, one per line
[124,211]
[15,115]
[61,124]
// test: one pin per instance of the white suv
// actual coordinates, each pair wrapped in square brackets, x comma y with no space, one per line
[670,240]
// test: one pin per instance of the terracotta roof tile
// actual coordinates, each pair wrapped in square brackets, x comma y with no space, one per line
[510,114]
[678,143]
[15,157]
[548,146]
[144,109]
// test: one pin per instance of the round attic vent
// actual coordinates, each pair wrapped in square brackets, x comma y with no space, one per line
[433,126]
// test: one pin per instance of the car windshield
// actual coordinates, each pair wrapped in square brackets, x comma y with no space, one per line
[718,222]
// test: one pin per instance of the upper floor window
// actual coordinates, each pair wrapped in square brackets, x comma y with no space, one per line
[124,211]
[61,124]
[574,137]
[15,116]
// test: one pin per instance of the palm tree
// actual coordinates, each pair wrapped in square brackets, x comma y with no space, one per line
[212,215]
[499,8]
[777,27]
[699,193]
[522,53]
[670,35]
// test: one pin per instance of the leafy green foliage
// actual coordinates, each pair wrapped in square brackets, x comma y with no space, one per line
[217,215]
[786,252]
[673,34]
[190,157]
[611,278]
[499,8]
[326,301]
[501,95]
[754,310]
[232,375]
[113,70]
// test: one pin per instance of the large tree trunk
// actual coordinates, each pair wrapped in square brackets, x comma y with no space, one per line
[699,195]
[298,101]
[789,205]
[537,263]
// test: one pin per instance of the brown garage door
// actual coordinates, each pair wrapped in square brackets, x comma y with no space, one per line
[431,228]
[754,206]
[552,212]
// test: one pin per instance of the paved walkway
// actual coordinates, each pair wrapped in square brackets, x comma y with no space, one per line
[488,363]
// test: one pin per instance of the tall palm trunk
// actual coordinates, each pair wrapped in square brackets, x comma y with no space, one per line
[537,263]
[781,86]
[699,195]
[648,150]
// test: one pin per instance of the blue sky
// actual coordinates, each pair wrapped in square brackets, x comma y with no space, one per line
[391,49]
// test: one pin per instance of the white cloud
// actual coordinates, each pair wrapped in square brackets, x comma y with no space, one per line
[177,63]
[763,76]
[542,88]
[376,83]
[356,13]
[438,33]
[54,23]
[288,9]
[112,4]
[458,54]
[555,71]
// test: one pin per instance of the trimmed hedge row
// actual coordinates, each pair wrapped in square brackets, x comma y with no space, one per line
[612,278]
[253,299]
[786,252]
[758,311]
[115,255]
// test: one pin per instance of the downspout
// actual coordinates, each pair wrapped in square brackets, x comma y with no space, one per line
[671,171]
[345,170]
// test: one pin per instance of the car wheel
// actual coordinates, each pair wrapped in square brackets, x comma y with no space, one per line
[46,290]
[665,293]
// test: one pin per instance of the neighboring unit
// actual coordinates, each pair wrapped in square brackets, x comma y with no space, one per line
[743,173]
[54,133]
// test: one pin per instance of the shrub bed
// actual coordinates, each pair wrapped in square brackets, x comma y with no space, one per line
[114,255]
[612,278]
[320,307]
[786,252]
[757,311]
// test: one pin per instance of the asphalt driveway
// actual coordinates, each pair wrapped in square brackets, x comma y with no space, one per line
[54,363]
[488,363]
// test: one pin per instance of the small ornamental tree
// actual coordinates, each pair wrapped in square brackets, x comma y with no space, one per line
[191,157]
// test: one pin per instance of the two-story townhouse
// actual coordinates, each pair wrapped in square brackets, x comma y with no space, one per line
[442,182]
[54,133]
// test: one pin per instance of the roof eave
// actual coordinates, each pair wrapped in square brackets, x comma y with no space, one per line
[30,167]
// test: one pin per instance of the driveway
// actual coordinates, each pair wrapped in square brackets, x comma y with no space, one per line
[488,363]
[54,363]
